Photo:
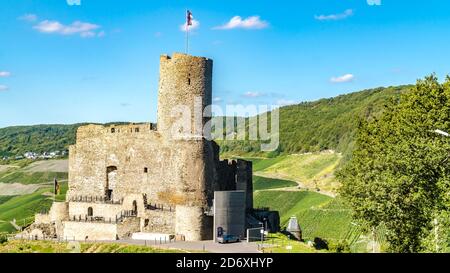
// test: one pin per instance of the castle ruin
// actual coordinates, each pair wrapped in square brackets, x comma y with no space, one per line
[137,178]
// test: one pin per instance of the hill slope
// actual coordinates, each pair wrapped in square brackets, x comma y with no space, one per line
[306,127]
[18,140]
[38,138]
[326,124]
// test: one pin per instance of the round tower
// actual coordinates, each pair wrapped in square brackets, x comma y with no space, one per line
[185,90]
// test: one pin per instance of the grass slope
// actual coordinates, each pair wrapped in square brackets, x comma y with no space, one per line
[312,171]
[264,183]
[318,215]
[24,207]
[31,178]
[288,203]
[29,172]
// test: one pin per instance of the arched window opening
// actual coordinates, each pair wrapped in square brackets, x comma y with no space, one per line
[90,212]
[111,181]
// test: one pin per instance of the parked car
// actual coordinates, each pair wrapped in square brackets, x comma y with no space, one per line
[226,239]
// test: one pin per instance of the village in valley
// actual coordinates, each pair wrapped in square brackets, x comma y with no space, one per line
[37,156]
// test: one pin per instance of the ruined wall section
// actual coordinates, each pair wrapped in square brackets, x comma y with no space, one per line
[167,172]
[144,163]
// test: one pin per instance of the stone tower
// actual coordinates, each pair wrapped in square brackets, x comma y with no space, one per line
[185,84]
[185,91]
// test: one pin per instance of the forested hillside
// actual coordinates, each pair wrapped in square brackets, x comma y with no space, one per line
[306,127]
[324,124]
[39,138]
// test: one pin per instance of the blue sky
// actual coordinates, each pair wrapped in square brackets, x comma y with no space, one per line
[98,62]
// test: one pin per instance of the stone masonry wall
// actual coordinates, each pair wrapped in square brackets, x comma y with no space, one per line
[159,222]
[79,231]
[128,227]
[183,79]
[108,211]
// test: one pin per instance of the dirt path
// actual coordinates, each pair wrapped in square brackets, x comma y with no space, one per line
[300,186]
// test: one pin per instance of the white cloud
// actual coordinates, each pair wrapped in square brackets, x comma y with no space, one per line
[83,29]
[253,94]
[4,88]
[284,102]
[335,17]
[374,2]
[5,74]
[217,99]
[344,78]
[28,17]
[195,25]
[252,22]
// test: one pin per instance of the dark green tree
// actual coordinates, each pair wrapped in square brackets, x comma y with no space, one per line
[399,174]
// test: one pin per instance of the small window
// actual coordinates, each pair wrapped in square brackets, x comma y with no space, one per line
[146,170]
[189,81]
[113,130]
[90,212]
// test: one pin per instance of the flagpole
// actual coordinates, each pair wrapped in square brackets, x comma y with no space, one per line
[187,32]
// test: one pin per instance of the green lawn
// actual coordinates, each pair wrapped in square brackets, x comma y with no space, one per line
[264,183]
[280,243]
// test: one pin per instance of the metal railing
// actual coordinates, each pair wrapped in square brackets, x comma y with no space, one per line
[125,214]
[93,219]
[95,199]
[160,207]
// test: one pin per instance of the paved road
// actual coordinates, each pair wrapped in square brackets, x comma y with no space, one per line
[208,246]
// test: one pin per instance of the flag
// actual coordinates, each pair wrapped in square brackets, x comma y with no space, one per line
[189,18]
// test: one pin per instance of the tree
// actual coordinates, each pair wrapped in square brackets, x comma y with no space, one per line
[399,173]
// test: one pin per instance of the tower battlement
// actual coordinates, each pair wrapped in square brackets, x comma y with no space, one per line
[185,85]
